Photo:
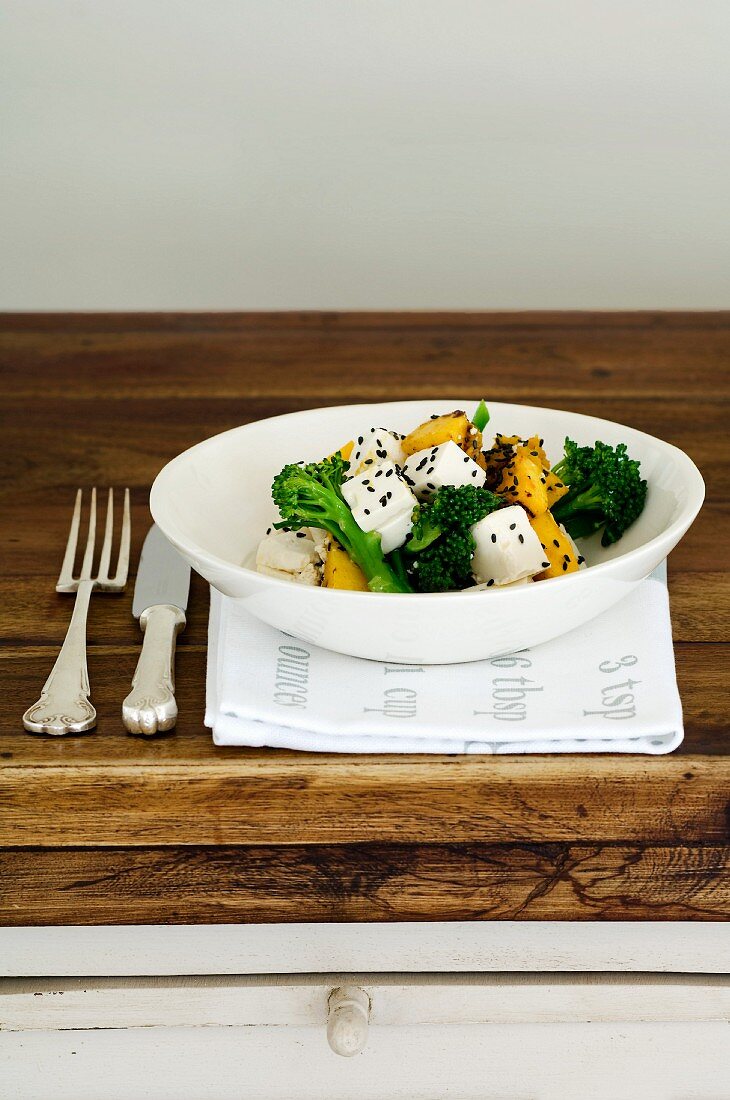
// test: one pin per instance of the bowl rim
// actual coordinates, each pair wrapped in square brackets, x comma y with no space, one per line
[695,499]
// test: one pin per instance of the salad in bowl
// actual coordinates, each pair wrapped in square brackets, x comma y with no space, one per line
[441,509]
[287,515]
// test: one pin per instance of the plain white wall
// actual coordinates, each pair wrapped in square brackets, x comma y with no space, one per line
[237,154]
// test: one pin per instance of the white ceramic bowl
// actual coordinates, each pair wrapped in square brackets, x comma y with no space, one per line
[213,502]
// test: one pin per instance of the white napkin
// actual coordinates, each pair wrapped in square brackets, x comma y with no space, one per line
[609,686]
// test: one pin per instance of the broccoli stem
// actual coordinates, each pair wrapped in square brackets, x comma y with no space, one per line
[366,551]
[399,567]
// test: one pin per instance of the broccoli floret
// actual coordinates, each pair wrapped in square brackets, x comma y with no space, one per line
[310,495]
[441,546]
[606,490]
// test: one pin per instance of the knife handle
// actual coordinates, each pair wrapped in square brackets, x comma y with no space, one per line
[150,707]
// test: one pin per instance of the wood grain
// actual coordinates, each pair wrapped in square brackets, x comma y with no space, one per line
[91,823]
[267,798]
[366,882]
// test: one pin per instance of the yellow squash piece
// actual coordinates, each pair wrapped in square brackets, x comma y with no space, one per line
[533,446]
[523,482]
[535,449]
[455,426]
[555,488]
[340,571]
[558,549]
[345,451]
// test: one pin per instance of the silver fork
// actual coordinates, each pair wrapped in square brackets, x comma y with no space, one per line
[64,705]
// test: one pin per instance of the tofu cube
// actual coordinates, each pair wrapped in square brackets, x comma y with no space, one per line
[507,548]
[310,574]
[376,446]
[378,498]
[287,551]
[426,471]
[394,532]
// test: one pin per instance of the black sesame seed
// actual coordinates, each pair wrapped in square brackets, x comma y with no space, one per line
[565,566]
[429,470]
[389,495]
[429,485]
[474,473]
[546,565]
[421,464]
[372,431]
[383,500]
[494,537]
[381,453]
[512,526]
[581,559]
[521,537]
[490,582]
[368,461]
[566,557]
[360,440]
[366,511]
[268,530]
[556,542]
[301,535]
[542,442]
[371,488]
[466,458]
[388,473]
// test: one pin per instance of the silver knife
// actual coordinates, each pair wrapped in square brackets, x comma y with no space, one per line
[160,599]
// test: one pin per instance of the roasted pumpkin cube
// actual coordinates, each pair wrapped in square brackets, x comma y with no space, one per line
[503,441]
[340,571]
[555,488]
[454,426]
[523,482]
[535,449]
[345,451]
[558,548]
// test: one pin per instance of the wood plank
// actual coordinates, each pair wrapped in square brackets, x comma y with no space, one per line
[368,882]
[159,356]
[397,1000]
[265,798]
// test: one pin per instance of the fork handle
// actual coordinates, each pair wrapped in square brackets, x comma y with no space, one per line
[150,707]
[64,705]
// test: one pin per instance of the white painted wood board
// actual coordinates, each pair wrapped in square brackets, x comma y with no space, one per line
[396,1000]
[472,1062]
[453,947]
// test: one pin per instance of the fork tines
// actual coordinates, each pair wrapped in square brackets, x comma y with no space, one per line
[66,580]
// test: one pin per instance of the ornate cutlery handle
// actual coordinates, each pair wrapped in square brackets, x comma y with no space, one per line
[64,705]
[150,707]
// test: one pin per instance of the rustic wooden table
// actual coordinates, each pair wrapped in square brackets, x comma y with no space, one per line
[107,828]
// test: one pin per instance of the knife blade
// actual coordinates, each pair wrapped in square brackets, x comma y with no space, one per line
[160,599]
